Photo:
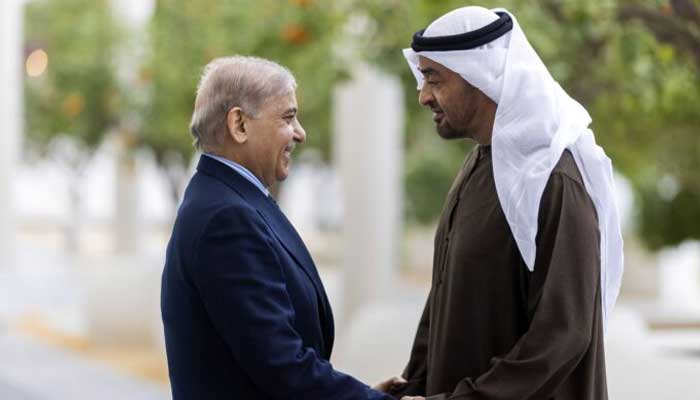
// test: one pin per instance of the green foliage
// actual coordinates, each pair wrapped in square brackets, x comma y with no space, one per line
[668,220]
[77,95]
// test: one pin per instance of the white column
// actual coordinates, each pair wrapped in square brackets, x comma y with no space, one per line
[127,227]
[133,15]
[10,116]
[679,279]
[368,150]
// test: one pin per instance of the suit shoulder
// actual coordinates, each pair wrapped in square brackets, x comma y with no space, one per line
[239,212]
[208,201]
[204,185]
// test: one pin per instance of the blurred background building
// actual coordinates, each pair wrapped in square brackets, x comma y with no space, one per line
[95,152]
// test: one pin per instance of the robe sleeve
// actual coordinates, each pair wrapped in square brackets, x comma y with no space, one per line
[562,297]
[415,372]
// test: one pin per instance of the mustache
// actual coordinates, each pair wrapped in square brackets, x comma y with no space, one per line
[434,107]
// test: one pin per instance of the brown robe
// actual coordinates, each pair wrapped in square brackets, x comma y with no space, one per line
[490,328]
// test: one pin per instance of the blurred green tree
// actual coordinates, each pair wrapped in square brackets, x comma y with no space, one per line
[77,95]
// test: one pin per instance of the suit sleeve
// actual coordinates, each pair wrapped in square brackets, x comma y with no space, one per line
[562,298]
[242,285]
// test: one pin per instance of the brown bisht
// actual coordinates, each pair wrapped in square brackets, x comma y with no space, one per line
[491,329]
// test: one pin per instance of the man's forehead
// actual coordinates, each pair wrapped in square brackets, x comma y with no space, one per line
[428,66]
[284,102]
[433,68]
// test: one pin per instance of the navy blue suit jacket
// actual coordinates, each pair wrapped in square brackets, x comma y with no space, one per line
[244,310]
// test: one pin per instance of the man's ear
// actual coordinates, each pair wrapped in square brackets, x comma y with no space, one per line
[236,123]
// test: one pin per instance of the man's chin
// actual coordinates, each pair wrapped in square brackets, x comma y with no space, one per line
[446,132]
[282,175]
[283,167]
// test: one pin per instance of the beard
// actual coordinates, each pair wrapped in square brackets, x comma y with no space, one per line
[448,131]
[451,125]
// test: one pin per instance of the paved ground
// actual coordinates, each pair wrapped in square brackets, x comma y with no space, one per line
[41,284]
[34,371]
[12,393]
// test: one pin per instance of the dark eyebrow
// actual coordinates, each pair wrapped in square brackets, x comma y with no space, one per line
[291,110]
[428,71]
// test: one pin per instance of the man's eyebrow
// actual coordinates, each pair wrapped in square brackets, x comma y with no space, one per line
[291,110]
[427,71]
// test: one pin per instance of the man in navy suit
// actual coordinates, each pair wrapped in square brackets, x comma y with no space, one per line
[244,310]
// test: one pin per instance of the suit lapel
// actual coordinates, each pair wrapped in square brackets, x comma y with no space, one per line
[288,236]
[292,242]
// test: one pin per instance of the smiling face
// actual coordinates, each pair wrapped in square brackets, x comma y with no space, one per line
[272,136]
[459,109]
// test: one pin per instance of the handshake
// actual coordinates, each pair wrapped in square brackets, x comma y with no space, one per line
[393,385]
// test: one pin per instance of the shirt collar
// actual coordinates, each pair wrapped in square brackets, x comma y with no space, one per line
[243,171]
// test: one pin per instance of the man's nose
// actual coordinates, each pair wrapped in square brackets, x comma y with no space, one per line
[425,96]
[299,133]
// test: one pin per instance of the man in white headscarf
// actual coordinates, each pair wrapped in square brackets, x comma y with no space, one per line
[528,251]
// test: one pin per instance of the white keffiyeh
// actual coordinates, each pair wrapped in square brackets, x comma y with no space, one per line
[535,122]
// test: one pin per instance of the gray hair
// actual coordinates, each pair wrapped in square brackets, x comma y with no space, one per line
[237,81]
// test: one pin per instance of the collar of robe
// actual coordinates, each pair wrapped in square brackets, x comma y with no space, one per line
[464,41]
